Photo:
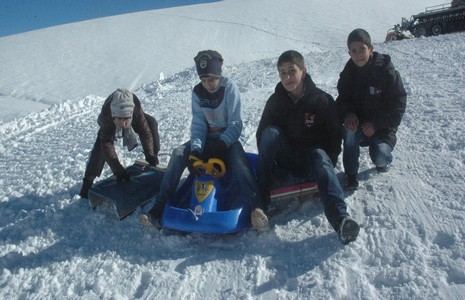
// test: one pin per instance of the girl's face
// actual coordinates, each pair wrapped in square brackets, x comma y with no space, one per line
[360,53]
[210,83]
[292,78]
[122,122]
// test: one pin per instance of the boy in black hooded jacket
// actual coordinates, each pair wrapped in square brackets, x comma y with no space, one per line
[299,132]
[371,103]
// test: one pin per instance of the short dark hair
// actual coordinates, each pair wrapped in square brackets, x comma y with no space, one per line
[359,35]
[292,56]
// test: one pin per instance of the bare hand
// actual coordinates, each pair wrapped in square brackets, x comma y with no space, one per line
[368,129]
[351,122]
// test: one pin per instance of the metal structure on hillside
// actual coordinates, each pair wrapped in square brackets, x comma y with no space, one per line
[435,20]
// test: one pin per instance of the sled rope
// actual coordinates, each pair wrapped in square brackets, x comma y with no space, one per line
[195,216]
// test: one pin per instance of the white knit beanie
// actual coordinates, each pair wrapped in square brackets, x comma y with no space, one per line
[122,104]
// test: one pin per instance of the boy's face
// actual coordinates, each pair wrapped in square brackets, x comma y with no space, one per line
[292,77]
[210,83]
[122,122]
[360,53]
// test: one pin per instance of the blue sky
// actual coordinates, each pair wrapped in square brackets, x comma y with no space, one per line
[18,16]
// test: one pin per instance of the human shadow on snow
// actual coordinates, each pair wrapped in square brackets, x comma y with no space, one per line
[286,260]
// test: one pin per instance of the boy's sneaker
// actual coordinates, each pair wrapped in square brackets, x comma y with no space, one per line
[350,182]
[384,169]
[259,220]
[153,217]
[348,230]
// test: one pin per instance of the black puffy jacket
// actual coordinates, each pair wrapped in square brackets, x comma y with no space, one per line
[310,123]
[375,93]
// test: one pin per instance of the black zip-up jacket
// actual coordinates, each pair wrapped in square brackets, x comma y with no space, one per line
[375,93]
[310,123]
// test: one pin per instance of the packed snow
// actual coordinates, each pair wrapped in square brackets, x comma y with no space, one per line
[54,82]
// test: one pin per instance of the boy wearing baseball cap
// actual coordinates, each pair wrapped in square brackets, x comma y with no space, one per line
[215,130]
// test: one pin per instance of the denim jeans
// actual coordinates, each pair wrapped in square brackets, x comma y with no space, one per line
[380,151]
[237,164]
[274,149]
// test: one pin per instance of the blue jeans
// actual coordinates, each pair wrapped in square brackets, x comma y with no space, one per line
[237,163]
[380,151]
[274,149]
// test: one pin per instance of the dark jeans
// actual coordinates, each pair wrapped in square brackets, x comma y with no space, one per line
[237,163]
[380,151]
[314,162]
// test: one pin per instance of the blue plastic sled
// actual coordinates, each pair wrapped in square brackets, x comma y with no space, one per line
[213,202]
[209,203]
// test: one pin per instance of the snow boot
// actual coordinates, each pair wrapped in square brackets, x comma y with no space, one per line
[350,182]
[86,185]
[383,169]
[348,230]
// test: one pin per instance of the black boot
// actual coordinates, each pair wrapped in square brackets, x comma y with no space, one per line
[350,182]
[86,185]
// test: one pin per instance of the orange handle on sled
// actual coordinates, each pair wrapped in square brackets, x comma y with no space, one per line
[211,167]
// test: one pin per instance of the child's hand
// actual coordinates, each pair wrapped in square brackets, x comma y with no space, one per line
[351,122]
[368,129]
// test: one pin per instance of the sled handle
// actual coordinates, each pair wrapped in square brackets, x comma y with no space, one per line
[211,167]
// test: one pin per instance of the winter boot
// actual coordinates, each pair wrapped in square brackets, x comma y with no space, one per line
[383,169]
[350,182]
[86,185]
[348,230]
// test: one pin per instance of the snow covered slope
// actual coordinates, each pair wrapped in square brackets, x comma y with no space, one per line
[94,57]
[411,245]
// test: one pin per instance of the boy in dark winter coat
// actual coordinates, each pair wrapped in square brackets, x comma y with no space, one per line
[121,117]
[299,132]
[371,103]
[215,130]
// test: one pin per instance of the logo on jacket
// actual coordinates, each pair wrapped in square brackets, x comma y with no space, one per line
[375,91]
[309,119]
